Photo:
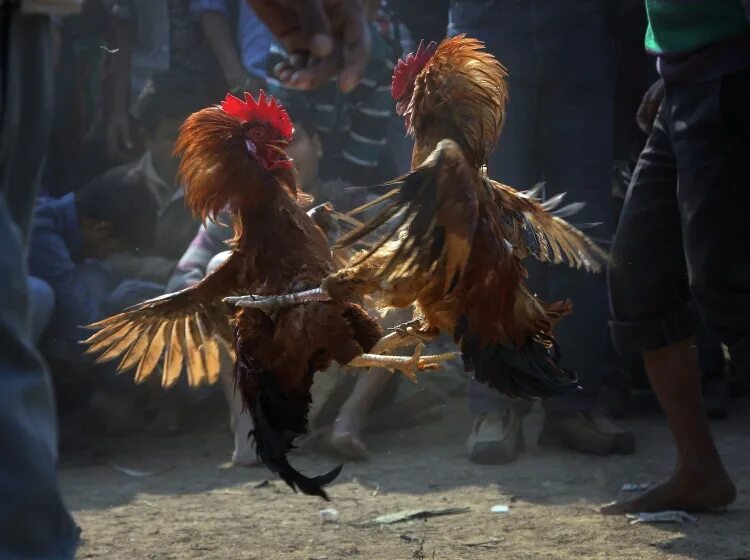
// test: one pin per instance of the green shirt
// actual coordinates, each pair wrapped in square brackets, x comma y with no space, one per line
[679,26]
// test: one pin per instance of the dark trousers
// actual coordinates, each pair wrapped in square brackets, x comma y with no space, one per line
[33,520]
[558,128]
[26,112]
[688,238]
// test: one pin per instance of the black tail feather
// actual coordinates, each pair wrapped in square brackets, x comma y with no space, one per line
[532,371]
[279,417]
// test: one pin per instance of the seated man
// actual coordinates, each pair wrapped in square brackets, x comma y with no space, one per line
[209,249]
[166,100]
[71,237]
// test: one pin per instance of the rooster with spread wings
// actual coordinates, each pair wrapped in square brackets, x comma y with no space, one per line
[455,239]
[233,156]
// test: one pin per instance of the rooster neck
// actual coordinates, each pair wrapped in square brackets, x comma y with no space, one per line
[282,241]
[432,130]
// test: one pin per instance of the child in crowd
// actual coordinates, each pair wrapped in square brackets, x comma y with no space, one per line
[71,239]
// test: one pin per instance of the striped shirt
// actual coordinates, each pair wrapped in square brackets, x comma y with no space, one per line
[353,127]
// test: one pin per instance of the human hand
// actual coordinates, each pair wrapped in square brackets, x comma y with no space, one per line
[118,135]
[323,38]
[650,106]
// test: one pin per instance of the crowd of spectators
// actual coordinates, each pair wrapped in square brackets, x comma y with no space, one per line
[112,230]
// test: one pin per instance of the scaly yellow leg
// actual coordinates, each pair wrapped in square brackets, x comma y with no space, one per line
[408,365]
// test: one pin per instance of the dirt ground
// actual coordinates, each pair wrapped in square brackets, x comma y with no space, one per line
[181,504]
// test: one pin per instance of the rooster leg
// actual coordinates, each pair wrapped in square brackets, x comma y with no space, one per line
[408,365]
[399,338]
[271,305]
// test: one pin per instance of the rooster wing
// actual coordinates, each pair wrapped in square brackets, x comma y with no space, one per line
[434,212]
[183,327]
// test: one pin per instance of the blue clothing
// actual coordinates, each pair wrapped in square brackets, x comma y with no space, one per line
[558,128]
[253,37]
[34,523]
[41,305]
[33,520]
[81,288]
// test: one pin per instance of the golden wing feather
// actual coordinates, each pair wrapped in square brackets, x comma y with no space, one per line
[136,350]
[180,328]
[546,236]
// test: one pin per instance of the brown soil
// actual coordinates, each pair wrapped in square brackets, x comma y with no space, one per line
[189,507]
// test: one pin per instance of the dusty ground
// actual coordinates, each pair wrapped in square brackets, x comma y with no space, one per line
[189,507]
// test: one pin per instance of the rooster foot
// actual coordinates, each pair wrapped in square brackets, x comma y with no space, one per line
[402,335]
[271,305]
[408,365]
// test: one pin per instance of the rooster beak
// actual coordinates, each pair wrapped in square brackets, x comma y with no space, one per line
[278,147]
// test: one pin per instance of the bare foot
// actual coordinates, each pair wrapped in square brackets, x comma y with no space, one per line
[245,457]
[349,446]
[345,437]
[687,491]
[244,454]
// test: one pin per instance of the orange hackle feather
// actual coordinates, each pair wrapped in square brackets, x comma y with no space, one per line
[469,83]
[215,167]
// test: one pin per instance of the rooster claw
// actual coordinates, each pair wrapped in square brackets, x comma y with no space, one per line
[271,305]
[266,304]
[409,366]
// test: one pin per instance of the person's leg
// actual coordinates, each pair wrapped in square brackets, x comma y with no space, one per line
[711,136]
[244,454]
[242,424]
[714,378]
[575,139]
[699,480]
[505,27]
[346,436]
[649,296]
[26,61]
[34,522]
[351,418]
[709,125]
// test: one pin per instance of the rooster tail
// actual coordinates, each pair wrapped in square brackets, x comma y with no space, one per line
[279,417]
[529,371]
[216,169]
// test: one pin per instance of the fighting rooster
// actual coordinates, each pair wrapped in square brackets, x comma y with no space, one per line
[232,156]
[456,239]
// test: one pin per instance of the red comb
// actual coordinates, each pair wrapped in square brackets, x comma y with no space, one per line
[265,109]
[408,67]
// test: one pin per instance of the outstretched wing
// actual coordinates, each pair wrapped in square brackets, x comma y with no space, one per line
[540,229]
[185,328]
[434,213]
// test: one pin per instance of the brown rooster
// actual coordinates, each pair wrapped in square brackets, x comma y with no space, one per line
[456,239]
[233,156]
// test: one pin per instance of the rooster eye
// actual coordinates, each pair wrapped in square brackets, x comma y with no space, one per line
[257,133]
